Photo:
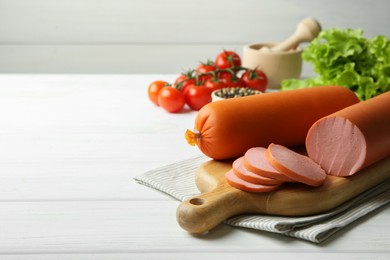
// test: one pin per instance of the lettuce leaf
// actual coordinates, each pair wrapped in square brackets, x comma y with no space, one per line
[346,58]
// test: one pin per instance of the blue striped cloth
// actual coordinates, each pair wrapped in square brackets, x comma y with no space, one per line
[177,180]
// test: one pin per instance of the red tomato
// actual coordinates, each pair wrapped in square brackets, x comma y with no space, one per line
[231,80]
[205,70]
[171,99]
[181,78]
[255,79]
[235,83]
[228,59]
[197,96]
[154,88]
[224,75]
[183,81]
[214,84]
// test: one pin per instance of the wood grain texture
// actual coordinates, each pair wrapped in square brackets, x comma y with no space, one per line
[148,227]
[118,36]
[192,256]
[220,201]
[70,146]
[107,58]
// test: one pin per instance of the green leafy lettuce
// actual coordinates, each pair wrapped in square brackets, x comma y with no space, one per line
[346,58]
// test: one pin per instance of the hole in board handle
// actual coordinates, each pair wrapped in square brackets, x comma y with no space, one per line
[197,201]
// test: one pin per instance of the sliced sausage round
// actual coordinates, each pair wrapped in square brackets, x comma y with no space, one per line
[255,161]
[243,173]
[296,166]
[240,184]
[352,138]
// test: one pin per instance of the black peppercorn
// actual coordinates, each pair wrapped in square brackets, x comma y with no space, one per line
[234,92]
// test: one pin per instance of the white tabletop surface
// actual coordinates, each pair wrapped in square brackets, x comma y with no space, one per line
[70,146]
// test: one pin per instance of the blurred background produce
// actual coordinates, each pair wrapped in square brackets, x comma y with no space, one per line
[153,36]
[210,80]
[347,58]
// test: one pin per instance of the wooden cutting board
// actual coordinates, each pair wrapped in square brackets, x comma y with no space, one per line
[219,201]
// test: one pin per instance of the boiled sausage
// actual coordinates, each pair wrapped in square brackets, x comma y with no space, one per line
[352,138]
[243,173]
[228,128]
[238,183]
[296,166]
[255,161]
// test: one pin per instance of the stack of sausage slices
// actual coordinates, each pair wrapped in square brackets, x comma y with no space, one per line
[265,169]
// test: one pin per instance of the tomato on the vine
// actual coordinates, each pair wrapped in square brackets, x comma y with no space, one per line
[194,87]
[197,96]
[231,80]
[171,99]
[255,79]
[235,83]
[183,81]
[205,71]
[224,75]
[214,84]
[228,59]
[154,88]
[204,68]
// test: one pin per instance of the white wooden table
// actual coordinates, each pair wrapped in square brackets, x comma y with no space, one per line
[70,146]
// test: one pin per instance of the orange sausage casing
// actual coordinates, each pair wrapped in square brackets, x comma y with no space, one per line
[352,138]
[227,129]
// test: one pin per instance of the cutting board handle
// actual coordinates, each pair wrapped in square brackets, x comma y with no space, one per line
[220,201]
[203,212]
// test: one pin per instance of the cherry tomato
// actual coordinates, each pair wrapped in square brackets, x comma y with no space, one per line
[228,59]
[226,76]
[231,80]
[171,99]
[183,81]
[214,84]
[181,78]
[154,88]
[235,83]
[197,96]
[255,79]
[205,70]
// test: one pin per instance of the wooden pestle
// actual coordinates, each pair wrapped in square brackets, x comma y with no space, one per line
[306,31]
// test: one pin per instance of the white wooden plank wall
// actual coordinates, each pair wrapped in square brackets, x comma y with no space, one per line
[152,36]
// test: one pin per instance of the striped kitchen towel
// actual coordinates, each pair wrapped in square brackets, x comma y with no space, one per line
[177,180]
